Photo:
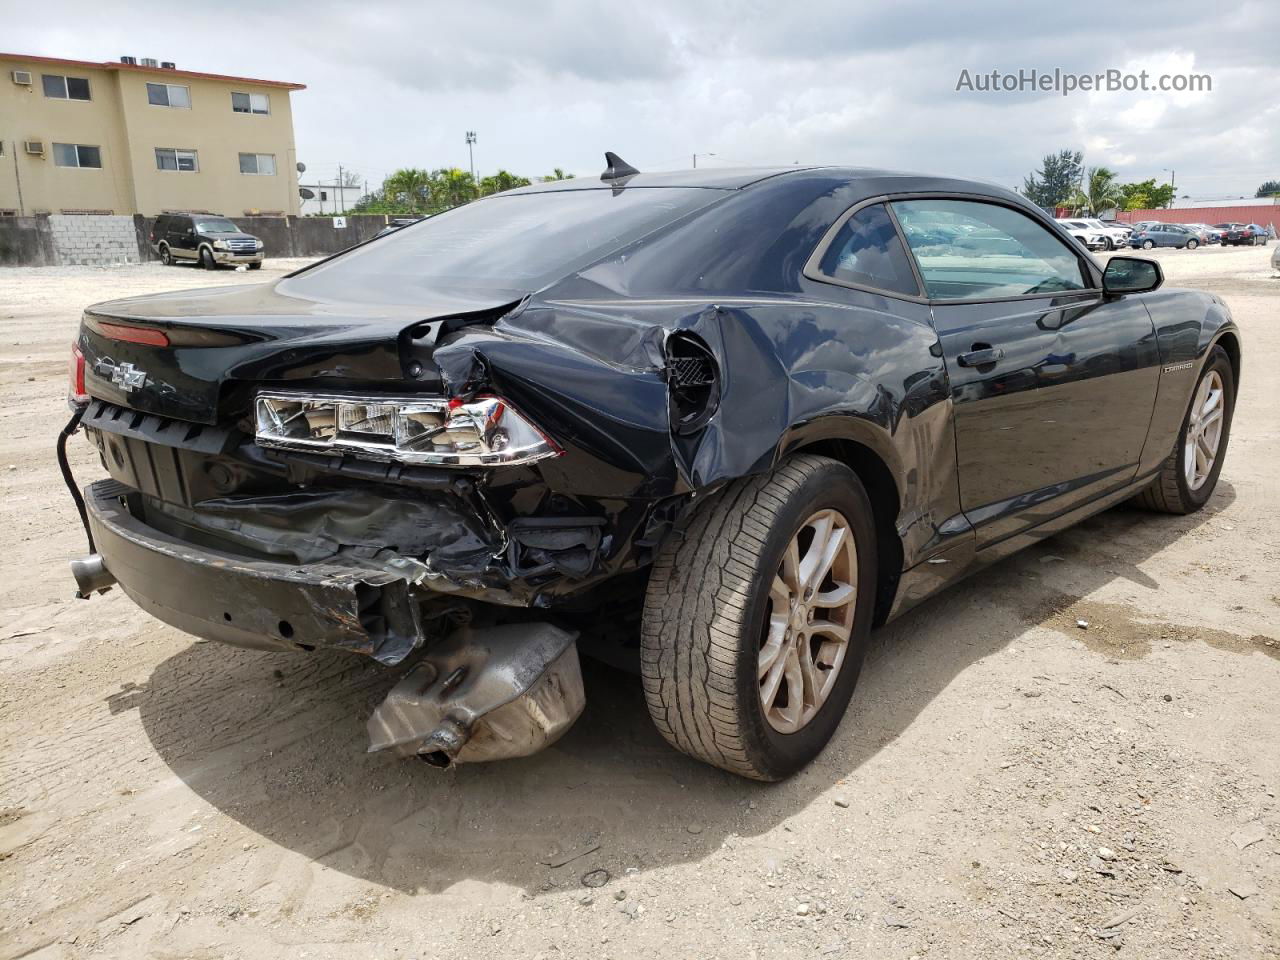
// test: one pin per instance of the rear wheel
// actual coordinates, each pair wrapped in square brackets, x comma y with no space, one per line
[256,266]
[1192,244]
[165,256]
[756,619]
[1188,476]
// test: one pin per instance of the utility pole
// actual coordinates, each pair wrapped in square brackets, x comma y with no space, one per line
[695,159]
[342,189]
[471,139]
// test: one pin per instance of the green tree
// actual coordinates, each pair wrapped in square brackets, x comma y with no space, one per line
[451,187]
[1269,189]
[410,191]
[1162,196]
[1056,180]
[1103,191]
[1136,196]
[558,174]
[500,181]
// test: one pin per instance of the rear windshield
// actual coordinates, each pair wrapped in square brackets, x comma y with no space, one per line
[513,244]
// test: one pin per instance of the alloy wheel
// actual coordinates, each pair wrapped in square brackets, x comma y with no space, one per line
[1204,431]
[810,619]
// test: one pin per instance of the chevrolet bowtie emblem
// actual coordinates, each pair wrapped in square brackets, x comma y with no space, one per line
[124,375]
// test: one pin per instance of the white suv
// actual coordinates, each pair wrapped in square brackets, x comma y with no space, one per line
[1095,238]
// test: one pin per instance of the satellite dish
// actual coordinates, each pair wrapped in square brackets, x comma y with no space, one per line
[302,167]
[306,194]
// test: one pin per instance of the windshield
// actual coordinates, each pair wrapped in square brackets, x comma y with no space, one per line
[516,243]
[216,225]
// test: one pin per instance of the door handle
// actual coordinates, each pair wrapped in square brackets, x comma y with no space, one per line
[980,356]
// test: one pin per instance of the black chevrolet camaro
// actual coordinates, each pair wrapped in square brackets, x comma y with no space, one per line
[721,421]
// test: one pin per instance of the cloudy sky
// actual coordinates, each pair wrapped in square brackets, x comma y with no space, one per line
[555,83]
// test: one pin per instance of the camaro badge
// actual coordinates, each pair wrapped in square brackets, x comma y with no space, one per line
[1175,367]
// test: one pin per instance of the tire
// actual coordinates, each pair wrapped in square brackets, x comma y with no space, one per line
[165,256]
[709,606]
[256,266]
[1111,245]
[1148,244]
[206,259]
[1192,244]
[1171,491]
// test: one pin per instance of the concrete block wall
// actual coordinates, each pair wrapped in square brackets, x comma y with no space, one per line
[94,239]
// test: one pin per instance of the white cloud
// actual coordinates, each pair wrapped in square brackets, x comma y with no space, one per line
[555,84]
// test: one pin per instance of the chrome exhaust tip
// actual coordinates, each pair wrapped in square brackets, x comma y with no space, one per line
[92,576]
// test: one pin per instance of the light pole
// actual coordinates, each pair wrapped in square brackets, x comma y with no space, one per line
[471,139]
[1173,182]
[695,159]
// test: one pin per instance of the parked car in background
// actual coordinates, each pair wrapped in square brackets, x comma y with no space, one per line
[1095,238]
[1260,234]
[1205,233]
[561,416]
[1116,233]
[1165,235]
[1240,234]
[1208,233]
[397,223]
[206,239]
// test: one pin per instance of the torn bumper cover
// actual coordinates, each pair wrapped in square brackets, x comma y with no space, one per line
[484,694]
[246,602]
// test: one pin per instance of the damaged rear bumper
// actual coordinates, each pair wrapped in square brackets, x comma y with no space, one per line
[250,603]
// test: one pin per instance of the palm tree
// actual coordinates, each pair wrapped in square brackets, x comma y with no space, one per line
[451,187]
[408,190]
[502,180]
[1103,191]
[558,174]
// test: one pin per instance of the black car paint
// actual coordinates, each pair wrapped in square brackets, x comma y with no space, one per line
[965,464]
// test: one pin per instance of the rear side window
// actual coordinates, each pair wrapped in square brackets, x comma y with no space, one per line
[970,250]
[867,252]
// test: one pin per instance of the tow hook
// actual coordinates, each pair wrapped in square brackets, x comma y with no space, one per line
[484,694]
[92,576]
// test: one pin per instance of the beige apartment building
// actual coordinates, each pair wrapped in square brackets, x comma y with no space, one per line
[84,137]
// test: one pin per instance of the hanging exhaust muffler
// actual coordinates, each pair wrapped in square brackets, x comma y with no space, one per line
[490,693]
[92,576]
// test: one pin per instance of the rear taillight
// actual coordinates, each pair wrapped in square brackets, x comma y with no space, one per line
[149,336]
[75,376]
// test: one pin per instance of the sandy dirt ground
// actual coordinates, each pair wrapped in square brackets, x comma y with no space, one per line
[1005,784]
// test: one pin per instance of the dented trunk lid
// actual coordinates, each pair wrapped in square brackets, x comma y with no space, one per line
[222,340]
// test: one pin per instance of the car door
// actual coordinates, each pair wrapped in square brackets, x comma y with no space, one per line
[184,237]
[1052,384]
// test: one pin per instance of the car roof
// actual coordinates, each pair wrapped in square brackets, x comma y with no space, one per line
[738,178]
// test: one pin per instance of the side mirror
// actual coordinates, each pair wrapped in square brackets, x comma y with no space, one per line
[1131,275]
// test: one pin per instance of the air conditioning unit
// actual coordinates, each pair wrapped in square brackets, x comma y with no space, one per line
[22,76]
[149,62]
[132,61]
[34,147]
[168,65]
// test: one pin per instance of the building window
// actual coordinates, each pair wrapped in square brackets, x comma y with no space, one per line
[250,103]
[77,155]
[170,158]
[263,164]
[65,88]
[324,195]
[168,95]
